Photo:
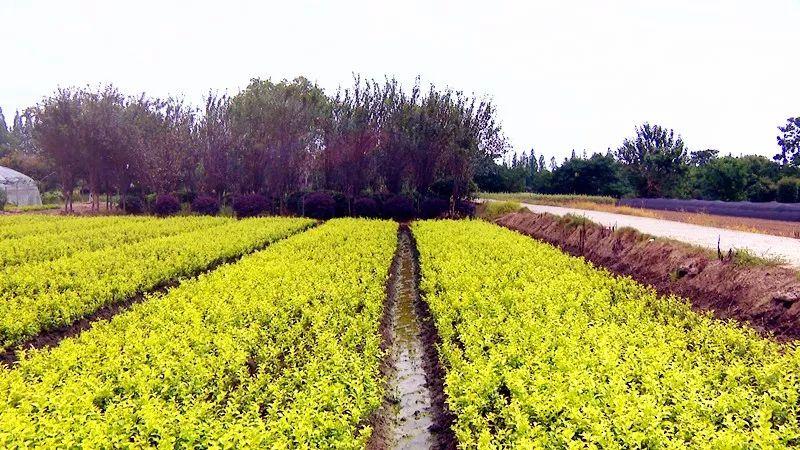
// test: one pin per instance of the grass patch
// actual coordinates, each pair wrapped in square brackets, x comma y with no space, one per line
[494,210]
[746,258]
[29,208]
[548,199]
[574,221]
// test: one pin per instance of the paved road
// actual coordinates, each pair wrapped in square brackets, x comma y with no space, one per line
[760,244]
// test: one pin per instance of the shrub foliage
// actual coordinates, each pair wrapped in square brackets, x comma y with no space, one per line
[789,190]
[206,205]
[250,205]
[399,207]
[166,205]
[542,350]
[319,205]
[132,204]
[365,207]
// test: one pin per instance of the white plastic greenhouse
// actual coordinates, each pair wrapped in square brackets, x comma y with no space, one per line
[20,189]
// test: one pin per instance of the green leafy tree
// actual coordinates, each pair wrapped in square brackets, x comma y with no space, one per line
[279,128]
[655,161]
[4,135]
[56,130]
[170,159]
[101,135]
[725,179]
[789,142]
[789,190]
[700,158]
[21,135]
[597,175]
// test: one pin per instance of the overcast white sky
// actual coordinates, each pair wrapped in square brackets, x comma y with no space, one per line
[564,74]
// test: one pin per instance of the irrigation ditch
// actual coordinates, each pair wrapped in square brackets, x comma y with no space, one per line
[414,412]
[54,336]
[763,295]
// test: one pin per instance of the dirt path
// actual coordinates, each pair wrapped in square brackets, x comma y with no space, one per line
[763,245]
[413,415]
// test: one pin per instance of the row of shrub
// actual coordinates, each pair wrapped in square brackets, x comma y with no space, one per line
[326,205]
[318,205]
[169,204]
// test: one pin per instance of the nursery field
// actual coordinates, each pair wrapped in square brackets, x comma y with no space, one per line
[544,351]
[41,291]
[275,333]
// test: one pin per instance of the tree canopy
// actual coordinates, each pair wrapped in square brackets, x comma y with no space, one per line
[656,162]
[272,138]
[789,142]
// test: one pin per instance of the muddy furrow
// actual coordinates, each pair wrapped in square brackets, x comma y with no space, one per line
[414,413]
[53,337]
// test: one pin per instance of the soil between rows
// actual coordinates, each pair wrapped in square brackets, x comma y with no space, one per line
[53,337]
[414,412]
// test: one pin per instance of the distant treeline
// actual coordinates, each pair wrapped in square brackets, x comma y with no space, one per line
[274,139]
[655,163]
[373,139]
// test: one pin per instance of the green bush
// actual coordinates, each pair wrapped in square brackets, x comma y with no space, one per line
[3,199]
[52,198]
[762,190]
[788,190]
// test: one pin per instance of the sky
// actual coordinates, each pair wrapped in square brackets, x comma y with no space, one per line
[563,75]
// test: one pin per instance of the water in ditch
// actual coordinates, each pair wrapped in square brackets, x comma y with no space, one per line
[409,406]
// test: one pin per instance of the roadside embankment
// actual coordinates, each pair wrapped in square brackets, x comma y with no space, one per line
[762,245]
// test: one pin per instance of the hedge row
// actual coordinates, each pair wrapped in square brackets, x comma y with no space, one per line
[320,205]
[758,210]
[325,205]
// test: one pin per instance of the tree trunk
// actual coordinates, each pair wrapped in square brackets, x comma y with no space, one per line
[66,194]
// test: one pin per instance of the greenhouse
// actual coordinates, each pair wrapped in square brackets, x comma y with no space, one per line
[20,189]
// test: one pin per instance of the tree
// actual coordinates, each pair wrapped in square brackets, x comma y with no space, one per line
[700,158]
[654,161]
[598,175]
[421,132]
[725,179]
[272,138]
[101,135]
[478,135]
[493,177]
[216,145]
[279,128]
[20,137]
[141,124]
[169,158]
[4,135]
[56,130]
[438,138]
[351,136]
[789,142]
[788,190]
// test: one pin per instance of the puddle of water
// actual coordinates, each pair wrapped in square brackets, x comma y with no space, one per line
[411,398]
